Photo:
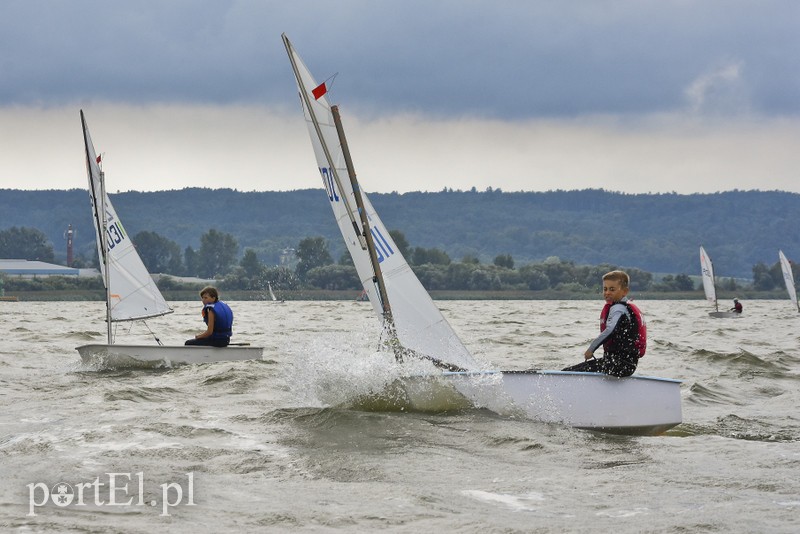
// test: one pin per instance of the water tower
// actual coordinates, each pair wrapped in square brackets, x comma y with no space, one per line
[68,235]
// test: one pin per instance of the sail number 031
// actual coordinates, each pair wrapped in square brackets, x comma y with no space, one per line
[114,234]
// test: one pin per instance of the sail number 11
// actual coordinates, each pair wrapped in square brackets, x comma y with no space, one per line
[382,247]
[327,181]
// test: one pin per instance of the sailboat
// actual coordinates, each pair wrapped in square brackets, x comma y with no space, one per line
[272,293]
[131,293]
[710,287]
[788,278]
[415,329]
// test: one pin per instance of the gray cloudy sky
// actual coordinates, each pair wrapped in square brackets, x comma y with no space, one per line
[638,96]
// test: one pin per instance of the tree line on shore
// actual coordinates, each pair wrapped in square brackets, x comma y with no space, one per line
[310,265]
[659,233]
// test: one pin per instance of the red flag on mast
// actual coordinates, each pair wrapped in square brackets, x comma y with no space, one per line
[319,91]
[322,89]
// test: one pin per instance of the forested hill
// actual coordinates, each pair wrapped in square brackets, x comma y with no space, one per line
[657,233]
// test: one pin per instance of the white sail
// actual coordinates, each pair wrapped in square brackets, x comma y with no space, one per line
[707,270]
[132,292]
[788,278]
[271,294]
[419,324]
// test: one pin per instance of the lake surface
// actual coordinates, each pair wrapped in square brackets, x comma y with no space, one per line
[285,444]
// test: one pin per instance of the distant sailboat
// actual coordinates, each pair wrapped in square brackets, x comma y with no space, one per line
[271,293]
[131,293]
[414,328]
[788,278]
[710,287]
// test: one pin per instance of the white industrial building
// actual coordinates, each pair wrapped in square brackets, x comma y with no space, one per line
[32,268]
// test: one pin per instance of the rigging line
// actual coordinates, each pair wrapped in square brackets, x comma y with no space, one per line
[151,332]
[332,78]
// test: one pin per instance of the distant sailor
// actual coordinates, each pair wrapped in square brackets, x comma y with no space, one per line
[218,317]
[623,331]
[737,306]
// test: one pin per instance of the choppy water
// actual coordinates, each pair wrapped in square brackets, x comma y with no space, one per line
[281,444]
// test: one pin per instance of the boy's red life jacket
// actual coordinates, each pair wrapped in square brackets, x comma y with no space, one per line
[639,324]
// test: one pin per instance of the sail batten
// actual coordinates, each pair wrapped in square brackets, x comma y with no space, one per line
[135,294]
[418,323]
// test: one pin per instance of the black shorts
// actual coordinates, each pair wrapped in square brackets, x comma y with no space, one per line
[610,364]
[209,342]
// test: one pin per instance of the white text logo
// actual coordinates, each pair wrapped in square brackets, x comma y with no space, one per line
[120,489]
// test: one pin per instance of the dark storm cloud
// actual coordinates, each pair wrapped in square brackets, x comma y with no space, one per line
[506,59]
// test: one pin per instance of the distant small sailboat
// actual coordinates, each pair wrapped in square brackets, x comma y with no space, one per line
[271,293]
[131,293]
[788,278]
[710,287]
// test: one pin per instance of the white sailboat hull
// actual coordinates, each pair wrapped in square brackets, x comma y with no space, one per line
[724,315]
[163,355]
[636,405]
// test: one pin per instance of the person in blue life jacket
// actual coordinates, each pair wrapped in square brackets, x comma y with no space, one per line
[218,317]
[737,306]
[623,331]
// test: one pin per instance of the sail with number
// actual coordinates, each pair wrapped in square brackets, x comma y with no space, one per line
[788,278]
[132,293]
[707,270]
[418,323]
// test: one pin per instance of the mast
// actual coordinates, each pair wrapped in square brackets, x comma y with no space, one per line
[104,242]
[365,231]
[100,222]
